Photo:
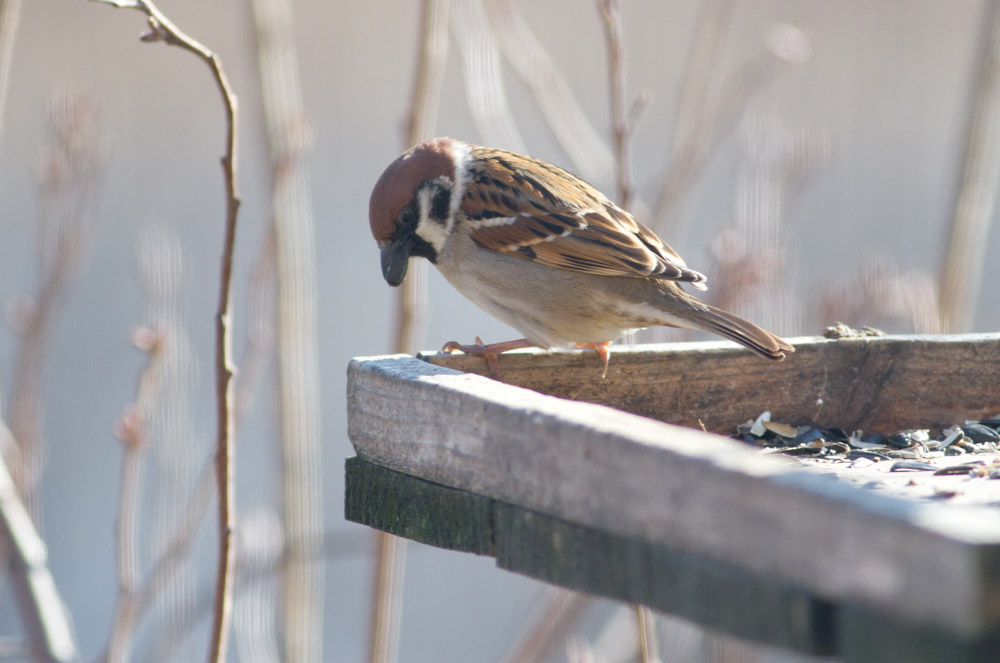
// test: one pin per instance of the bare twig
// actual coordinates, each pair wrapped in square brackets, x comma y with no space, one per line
[622,128]
[260,325]
[962,271]
[131,430]
[162,29]
[10,12]
[295,253]
[50,637]
[70,176]
[411,318]
[575,133]
[484,88]
[554,615]
[695,115]
[647,635]
[622,124]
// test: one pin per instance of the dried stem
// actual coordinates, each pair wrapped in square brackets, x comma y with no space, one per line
[484,89]
[411,317]
[162,29]
[962,271]
[132,431]
[50,637]
[647,635]
[695,118]
[295,256]
[529,59]
[621,125]
[260,325]
[549,623]
[10,12]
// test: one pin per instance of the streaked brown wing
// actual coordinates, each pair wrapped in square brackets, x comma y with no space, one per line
[560,221]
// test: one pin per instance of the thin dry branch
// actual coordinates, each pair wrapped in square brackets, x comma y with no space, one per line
[131,430]
[555,613]
[10,12]
[411,319]
[529,59]
[295,258]
[71,173]
[162,29]
[692,128]
[484,88]
[50,637]
[623,124]
[962,270]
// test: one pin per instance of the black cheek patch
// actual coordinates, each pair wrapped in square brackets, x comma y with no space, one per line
[440,205]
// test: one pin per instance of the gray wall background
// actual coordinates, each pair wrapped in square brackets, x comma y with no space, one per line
[887,88]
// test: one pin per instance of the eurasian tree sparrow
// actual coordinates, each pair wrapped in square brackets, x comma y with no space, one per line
[539,249]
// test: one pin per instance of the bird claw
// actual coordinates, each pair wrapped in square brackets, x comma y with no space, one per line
[478,349]
[490,351]
[603,350]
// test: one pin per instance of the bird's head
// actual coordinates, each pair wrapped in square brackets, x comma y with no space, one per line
[412,209]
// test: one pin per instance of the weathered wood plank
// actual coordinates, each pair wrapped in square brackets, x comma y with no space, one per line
[714,595]
[672,486]
[880,383]
[416,509]
[873,636]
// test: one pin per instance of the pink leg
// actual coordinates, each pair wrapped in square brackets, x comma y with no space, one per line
[488,351]
[603,349]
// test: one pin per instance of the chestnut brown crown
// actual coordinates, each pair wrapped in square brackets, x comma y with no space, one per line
[397,184]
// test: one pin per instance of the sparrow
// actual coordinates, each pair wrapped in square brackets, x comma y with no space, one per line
[539,249]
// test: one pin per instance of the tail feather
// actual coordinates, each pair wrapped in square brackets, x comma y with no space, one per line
[742,331]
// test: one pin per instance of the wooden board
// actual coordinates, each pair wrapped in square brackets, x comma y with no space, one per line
[881,383]
[927,563]
[717,596]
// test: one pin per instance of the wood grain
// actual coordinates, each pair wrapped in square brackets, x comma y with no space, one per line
[668,485]
[883,383]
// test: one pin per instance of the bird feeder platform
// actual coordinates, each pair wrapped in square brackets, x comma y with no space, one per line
[625,487]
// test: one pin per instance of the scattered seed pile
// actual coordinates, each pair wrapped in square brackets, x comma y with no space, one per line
[907,450]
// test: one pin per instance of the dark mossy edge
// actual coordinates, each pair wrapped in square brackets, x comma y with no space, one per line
[417,509]
[712,594]
[715,595]
[867,635]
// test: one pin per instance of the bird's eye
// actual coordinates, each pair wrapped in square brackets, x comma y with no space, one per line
[405,217]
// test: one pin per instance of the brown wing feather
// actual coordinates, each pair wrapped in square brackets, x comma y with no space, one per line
[563,223]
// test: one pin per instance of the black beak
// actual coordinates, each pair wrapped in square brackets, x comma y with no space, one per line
[395,259]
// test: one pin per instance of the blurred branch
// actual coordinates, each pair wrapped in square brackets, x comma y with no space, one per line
[962,271]
[695,116]
[45,620]
[295,256]
[131,430]
[260,325]
[484,89]
[623,126]
[532,63]
[411,319]
[647,635]
[411,296]
[70,176]
[10,13]
[162,29]
[548,623]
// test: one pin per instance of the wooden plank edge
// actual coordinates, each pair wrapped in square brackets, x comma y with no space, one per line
[717,596]
[443,456]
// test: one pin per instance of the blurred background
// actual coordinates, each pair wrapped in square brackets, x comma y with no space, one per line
[819,161]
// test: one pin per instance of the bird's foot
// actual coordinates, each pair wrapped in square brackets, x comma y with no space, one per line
[488,351]
[603,350]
